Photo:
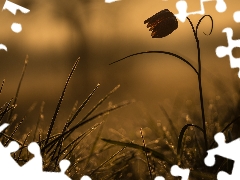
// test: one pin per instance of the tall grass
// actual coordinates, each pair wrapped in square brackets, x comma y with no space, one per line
[186,149]
[160,145]
[61,145]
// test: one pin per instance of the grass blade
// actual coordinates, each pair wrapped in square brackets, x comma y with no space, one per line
[98,104]
[24,142]
[40,118]
[180,139]
[7,109]
[60,102]
[161,52]
[93,147]
[20,123]
[19,85]
[82,136]
[146,154]
[60,142]
[82,122]
[115,154]
[136,146]
[71,130]
[81,107]
[174,129]
[2,86]
[69,122]
[225,128]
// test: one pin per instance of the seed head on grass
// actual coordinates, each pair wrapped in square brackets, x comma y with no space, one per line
[2,86]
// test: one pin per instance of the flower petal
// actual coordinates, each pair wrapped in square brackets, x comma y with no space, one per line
[162,23]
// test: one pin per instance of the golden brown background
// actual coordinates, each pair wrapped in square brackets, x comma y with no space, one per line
[55,33]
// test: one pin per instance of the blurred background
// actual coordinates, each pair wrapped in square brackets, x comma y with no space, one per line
[55,33]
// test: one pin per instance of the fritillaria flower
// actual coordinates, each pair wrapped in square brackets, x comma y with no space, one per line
[162,23]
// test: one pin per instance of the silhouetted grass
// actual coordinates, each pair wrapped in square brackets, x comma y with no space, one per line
[55,147]
[163,145]
[185,148]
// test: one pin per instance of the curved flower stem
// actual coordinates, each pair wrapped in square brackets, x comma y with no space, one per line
[199,72]
[200,77]
[161,52]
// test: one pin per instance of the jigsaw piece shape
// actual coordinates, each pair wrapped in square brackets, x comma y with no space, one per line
[3,126]
[6,157]
[177,171]
[85,178]
[236,16]
[111,1]
[228,150]
[222,51]
[64,164]
[12,7]
[221,6]
[34,165]
[33,169]
[182,8]
[11,166]
[159,178]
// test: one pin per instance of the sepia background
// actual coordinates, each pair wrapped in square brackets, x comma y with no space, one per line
[55,33]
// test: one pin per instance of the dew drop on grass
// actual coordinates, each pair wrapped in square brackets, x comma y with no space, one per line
[129,174]
[188,118]
[218,98]
[210,106]
[188,138]
[168,133]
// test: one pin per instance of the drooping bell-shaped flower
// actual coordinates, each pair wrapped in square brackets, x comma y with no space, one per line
[162,23]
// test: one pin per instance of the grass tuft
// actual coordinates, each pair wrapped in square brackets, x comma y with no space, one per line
[62,145]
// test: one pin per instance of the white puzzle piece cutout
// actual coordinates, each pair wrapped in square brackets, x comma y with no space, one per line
[111,1]
[33,169]
[159,178]
[182,8]
[177,171]
[12,7]
[16,27]
[236,16]
[222,51]
[228,150]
